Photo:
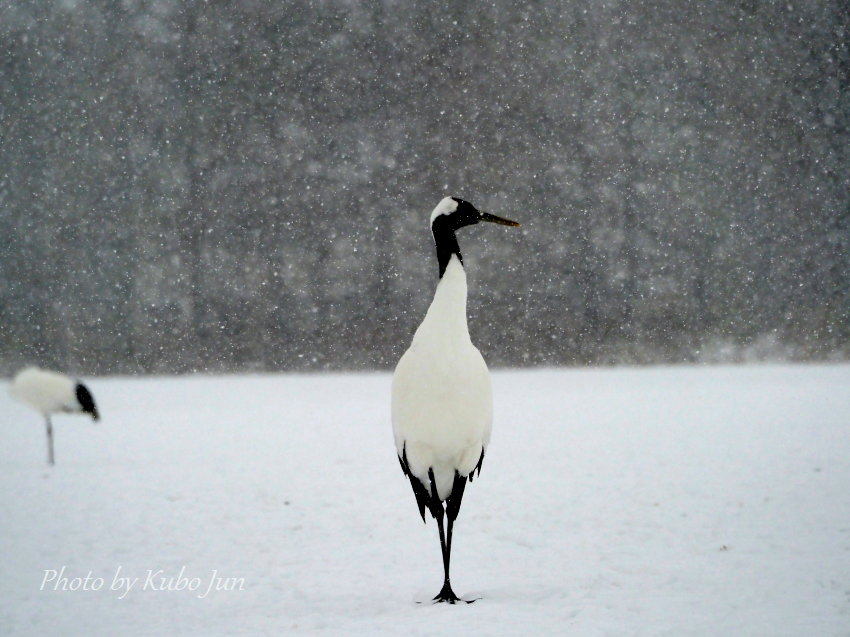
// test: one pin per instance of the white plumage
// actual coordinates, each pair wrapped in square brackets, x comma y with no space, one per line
[442,401]
[447,206]
[49,393]
[46,392]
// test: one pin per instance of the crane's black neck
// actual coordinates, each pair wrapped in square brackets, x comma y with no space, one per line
[444,237]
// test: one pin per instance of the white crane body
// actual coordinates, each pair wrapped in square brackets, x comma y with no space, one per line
[45,391]
[442,408]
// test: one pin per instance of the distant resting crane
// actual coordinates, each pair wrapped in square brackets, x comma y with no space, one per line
[50,393]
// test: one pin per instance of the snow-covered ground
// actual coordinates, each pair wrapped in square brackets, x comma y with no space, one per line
[662,501]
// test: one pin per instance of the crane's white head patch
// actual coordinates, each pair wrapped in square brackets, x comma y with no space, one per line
[446,207]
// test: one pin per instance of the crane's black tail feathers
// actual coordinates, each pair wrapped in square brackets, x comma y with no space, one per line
[431,501]
[478,466]
[422,496]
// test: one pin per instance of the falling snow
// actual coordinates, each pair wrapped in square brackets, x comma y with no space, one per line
[190,186]
[244,188]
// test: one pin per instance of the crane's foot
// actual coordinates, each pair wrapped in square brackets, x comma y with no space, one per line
[447,595]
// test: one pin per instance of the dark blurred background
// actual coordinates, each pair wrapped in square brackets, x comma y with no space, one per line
[227,186]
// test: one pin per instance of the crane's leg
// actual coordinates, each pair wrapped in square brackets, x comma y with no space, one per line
[49,441]
[453,508]
[446,594]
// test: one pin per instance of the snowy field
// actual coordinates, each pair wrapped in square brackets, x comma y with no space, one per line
[663,501]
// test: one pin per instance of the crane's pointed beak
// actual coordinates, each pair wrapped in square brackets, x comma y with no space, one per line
[486,216]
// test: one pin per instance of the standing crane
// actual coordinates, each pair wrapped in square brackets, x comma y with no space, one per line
[50,393]
[442,401]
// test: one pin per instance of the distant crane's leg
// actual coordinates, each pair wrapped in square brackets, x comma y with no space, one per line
[49,441]
[446,593]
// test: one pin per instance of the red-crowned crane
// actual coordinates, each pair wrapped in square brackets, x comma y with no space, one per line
[50,393]
[442,401]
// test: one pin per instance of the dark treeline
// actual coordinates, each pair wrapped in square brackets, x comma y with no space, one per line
[245,185]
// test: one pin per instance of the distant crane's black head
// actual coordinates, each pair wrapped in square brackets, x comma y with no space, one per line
[86,401]
[451,214]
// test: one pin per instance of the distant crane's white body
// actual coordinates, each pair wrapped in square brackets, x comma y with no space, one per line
[49,393]
[442,400]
